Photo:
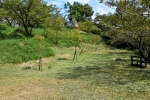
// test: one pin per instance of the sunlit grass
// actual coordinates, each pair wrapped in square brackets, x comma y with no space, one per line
[97,74]
[16,48]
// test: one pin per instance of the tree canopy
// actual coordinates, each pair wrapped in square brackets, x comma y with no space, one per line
[78,11]
[130,22]
[27,13]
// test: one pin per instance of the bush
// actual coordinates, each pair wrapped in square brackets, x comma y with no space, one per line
[86,26]
[3,26]
[89,38]
[61,39]
[96,31]
[18,33]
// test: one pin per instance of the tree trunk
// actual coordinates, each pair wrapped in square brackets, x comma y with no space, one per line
[8,21]
[40,63]
[28,32]
[75,52]
[81,51]
[31,31]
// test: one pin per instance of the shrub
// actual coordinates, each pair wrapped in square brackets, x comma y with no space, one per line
[96,31]
[18,33]
[89,38]
[3,26]
[86,26]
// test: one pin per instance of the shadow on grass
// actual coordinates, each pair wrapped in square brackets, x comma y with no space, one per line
[62,59]
[107,73]
[123,52]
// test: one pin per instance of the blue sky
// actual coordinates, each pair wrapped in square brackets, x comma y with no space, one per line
[97,7]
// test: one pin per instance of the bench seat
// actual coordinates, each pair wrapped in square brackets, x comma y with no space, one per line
[136,60]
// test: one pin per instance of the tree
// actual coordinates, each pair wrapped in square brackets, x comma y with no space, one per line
[54,25]
[29,13]
[4,17]
[78,11]
[99,21]
[131,22]
[77,39]
[87,26]
[41,49]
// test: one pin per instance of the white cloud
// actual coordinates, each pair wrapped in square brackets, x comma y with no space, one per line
[99,9]
[56,3]
[102,8]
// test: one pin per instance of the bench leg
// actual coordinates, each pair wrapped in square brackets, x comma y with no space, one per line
[145,64]
[141,64]
[137,62]
[131,62]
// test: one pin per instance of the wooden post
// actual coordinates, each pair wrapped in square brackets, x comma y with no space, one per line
[140,51]
[40,63]
[75,51]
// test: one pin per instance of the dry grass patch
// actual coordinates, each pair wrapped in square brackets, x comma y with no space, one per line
[31,89]
[50,89]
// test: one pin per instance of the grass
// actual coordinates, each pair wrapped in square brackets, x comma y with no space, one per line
[98,74]
[22,50]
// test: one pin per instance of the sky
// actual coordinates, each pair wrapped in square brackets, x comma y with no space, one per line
[97,7]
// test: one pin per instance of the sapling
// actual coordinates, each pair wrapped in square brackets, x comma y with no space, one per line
[75,35]
[41,48]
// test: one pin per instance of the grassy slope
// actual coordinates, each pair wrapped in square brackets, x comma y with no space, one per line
[18,51]
[97,75]
[16,48]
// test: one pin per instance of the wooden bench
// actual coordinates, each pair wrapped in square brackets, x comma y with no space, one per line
[137,60]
